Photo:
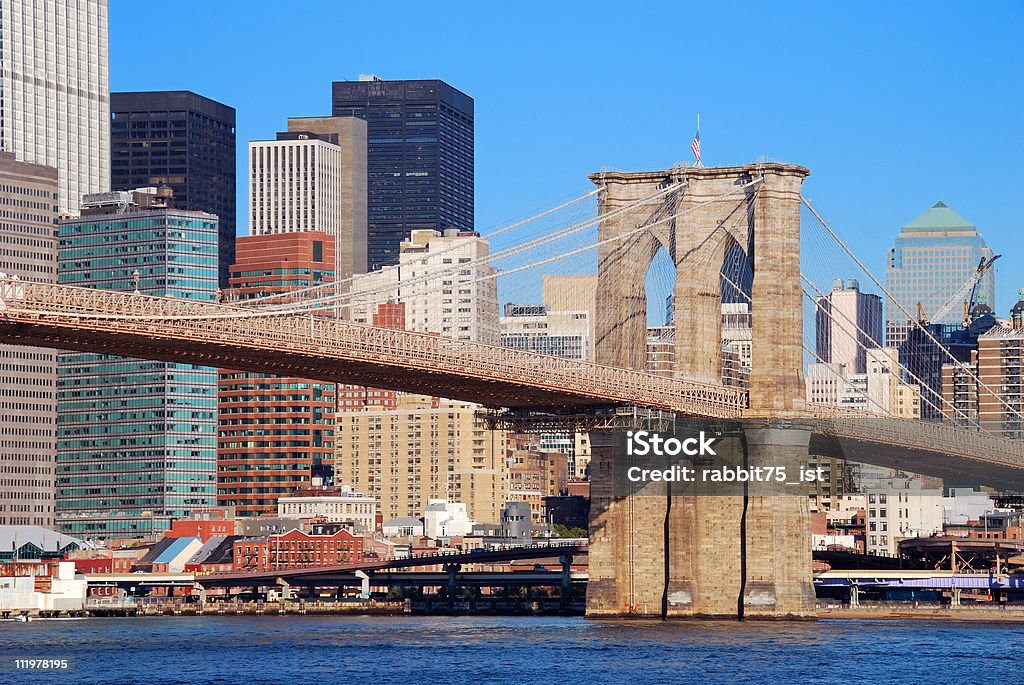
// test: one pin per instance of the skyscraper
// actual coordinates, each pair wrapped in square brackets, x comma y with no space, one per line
[55,108]
[933,256]
[275,433]
[349,134]
[419,158]
[307,217]
[28,393]
[183,140]
[848,322]
[137,442]
[303,181]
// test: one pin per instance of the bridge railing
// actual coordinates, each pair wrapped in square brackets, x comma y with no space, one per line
[171,318]
[915,434]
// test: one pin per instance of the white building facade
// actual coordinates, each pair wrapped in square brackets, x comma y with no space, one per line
[295,185]
[67,591]
[966,505]
[568,334]
[345,506]
[55,105]
[900,508]
[445,519]
[446,286]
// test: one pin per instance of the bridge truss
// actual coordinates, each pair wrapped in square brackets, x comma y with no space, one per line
[301,334]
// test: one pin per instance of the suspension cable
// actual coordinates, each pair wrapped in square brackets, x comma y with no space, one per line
[516,249]
[239,312]
[956,362]
[486,260]
[878,345]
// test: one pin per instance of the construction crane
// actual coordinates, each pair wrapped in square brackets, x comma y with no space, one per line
[966,294]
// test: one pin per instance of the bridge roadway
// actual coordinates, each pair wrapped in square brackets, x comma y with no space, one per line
[917,580]
[529,578]
[307,346]
[327,574]
[167,329]
[146,580]
[533,578]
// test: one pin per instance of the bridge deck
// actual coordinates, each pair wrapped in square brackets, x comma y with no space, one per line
[298,576]
[209,334]
[961,456]
[166,329]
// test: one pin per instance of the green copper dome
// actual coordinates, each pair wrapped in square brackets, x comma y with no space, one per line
[939,217]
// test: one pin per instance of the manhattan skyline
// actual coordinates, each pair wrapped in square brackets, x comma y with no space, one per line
[893,108]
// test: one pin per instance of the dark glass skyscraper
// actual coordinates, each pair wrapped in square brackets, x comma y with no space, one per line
[419,158]
[183,140]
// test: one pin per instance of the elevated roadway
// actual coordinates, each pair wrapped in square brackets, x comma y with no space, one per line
[173,330]
[327,574]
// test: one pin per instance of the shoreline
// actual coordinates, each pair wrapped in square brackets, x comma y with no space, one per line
[983,614]
[969,614]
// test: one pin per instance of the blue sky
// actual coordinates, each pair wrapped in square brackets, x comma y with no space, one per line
[892,106]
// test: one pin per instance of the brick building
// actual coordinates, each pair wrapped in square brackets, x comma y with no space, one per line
[997,401]
[203,525]
[275,433]
[105,561]
[296,549]
[993,525]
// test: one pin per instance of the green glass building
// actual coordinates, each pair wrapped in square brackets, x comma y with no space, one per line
[933,256]
[136,440]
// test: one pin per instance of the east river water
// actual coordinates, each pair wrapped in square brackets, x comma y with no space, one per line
[565,651]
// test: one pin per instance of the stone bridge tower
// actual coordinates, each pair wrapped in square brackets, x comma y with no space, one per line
[722,555]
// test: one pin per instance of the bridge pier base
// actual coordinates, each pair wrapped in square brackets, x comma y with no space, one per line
[453,585]
[565,594]
[364,584]
[777,538]
[729,556]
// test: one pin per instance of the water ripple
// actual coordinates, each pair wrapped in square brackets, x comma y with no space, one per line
[408,651]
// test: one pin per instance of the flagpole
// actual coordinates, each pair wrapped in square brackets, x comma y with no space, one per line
[696,145]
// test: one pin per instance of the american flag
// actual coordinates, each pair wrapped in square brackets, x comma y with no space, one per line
[695,145]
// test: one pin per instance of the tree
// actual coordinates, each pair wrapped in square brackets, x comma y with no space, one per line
[562,531]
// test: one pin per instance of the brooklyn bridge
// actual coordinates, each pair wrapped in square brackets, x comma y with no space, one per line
[694,556]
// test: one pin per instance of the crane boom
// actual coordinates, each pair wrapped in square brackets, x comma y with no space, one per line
[966,292]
